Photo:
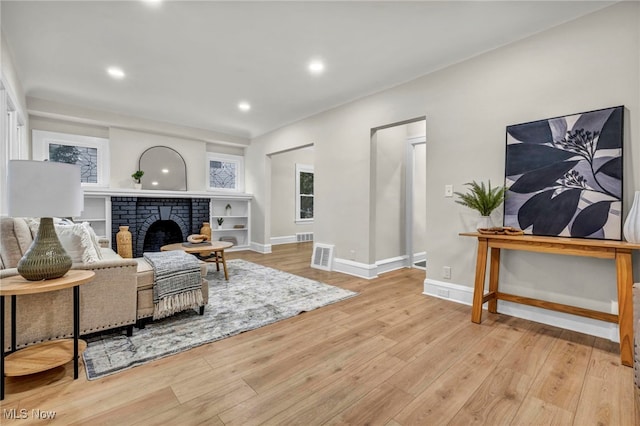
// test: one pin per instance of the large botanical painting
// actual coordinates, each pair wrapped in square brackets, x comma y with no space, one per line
[565,175]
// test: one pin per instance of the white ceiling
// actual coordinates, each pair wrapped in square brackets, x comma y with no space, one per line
[190,63]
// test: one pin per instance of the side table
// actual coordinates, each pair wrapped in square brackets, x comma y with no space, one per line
[46,355]
[211,251]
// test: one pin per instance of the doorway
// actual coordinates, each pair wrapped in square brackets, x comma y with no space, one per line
[398,194]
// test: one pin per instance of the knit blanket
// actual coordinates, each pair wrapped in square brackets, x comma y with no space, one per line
[177,282]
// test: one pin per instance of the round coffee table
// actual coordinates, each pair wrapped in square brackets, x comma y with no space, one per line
[211,251]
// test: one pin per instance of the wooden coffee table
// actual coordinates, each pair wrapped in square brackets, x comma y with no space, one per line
[212,251]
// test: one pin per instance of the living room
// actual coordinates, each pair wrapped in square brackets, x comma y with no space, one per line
[583,64]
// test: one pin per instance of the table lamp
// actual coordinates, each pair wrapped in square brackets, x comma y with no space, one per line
[44,189]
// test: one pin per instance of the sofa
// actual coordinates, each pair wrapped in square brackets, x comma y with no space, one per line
[120,295]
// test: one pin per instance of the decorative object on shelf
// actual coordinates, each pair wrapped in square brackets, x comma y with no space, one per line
[565,175]
[232,240]
[238,226]
[49,189]
[220,221]
[206,230]
[123,242]
[500,230]
[632,223]
[484,199]
[197,238]
[227,209]
[137,176]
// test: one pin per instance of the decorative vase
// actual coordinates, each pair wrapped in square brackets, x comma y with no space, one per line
[631,227]
[45,259]
[228,209]
[484,222]
[206,230]
[123,242]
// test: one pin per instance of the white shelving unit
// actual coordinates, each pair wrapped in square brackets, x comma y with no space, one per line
[236,221]
[97,211]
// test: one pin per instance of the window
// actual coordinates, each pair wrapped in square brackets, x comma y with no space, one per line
[304,193]
[225,172]
[90,153]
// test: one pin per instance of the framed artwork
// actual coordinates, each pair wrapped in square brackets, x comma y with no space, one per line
[564,175]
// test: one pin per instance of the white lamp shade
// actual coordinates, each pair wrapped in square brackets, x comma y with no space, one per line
[44,189]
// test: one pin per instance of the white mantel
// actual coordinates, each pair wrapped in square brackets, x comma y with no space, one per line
[151,193]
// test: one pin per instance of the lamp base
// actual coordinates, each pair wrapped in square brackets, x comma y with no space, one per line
[46,259]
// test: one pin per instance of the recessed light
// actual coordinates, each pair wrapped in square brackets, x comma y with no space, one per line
[116,72]
[165,171]
[154,183]
[316,67]
[244,106]
[153,2]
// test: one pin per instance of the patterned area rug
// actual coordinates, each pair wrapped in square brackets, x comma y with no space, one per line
[253,297]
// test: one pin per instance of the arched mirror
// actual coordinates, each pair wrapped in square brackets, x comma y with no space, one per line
[164,168]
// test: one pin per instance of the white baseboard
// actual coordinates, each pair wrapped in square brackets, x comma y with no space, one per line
[357,269]
[288,239]
[391,264]
[398,262]
[463,294]
[261,248]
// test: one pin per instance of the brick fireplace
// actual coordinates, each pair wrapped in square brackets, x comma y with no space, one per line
[154,222]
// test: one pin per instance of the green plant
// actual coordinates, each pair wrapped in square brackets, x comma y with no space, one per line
[137,175]
[220,220]
[484,199]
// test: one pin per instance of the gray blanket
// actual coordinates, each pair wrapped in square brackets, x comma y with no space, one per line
[177,282]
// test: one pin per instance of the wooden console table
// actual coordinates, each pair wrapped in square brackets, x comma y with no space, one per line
[604,249]
[50,354]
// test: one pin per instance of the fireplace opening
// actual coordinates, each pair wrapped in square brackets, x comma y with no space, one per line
[160,233]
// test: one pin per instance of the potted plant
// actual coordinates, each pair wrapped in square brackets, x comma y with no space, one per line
[137,176]
[483,198]
[220,221]
[228,209]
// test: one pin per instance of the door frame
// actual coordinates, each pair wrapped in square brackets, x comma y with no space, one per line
[410,150]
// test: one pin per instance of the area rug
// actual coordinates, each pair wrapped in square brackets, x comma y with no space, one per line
[253,297]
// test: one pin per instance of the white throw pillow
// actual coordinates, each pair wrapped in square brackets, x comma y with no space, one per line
[77,242]
[94,239]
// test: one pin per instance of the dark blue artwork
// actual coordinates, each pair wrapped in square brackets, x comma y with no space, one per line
[565,175]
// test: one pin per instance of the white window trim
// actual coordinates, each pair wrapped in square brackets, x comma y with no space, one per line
[12,136]
[42,140]
[227,158]
[308,169]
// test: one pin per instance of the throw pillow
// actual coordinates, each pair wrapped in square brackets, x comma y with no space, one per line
[94,239]
[77,242]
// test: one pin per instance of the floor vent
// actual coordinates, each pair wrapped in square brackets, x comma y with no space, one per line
[322,256]
[304,236]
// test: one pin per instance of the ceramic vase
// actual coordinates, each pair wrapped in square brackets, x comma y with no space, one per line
[123,242]
[228,210]
[631,229]
[206,230]
[484,222]
[137,185]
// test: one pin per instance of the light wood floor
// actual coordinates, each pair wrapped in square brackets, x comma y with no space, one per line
[389,356]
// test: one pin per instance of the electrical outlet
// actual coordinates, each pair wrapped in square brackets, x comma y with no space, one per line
[448,191]
[446,272]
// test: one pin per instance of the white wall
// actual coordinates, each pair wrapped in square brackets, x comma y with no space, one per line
[283,192]
[126,145]
[586,64]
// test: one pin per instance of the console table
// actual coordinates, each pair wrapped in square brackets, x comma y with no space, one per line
[604,249]
[47,355]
